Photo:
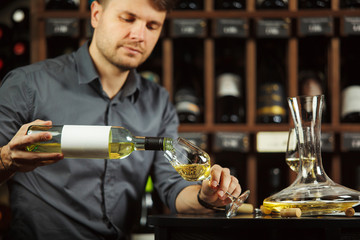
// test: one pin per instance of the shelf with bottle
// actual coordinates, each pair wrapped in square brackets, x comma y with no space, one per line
[271,74]
[14,37]
[272,174]
[350,85]
[229,71]
[313,70]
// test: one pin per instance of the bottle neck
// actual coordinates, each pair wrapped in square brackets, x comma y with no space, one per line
[152,143]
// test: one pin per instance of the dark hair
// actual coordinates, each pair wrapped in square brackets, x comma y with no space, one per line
[162,5]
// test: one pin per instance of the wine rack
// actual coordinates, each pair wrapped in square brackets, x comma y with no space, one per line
[238,146]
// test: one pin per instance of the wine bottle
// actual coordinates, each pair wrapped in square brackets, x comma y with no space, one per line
[350,111]
[350,108]
[20,53]
[230,4]
[62,5]
[272,4]
[188,80]
[5,35]
[275,180]
[314,4]
[187,105]
[271,106]
[81,141]
[189,5]
[311,83]
[20,18]
[229,103]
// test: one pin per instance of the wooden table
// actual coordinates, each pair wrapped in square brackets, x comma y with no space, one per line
[251,226]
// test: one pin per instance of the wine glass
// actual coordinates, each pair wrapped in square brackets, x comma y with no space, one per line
[292,153]
[193,164]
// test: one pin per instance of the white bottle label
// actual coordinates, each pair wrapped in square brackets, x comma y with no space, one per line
[228,85]
[350,100]
[85,141]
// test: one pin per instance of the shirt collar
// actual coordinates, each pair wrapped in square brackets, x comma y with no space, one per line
[87,74]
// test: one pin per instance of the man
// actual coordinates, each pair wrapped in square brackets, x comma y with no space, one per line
[56,198]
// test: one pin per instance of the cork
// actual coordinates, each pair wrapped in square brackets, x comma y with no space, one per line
[246,208]
[265,210]
[290,212]
[349,212]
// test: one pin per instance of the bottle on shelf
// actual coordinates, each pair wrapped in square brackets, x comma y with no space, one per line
[20,46]
[271,105]
[5,40]
[81,141]
[317,4]
[271,4]
[62,5]
[350,95]
[5,34]
[230,4]
[62,36]
[188,80]
[313,68]
[229,101]
[272,174]
[312,83]
[20,53]
[187,105]
[189,5]
[20,18]
[350,111]
[152,68]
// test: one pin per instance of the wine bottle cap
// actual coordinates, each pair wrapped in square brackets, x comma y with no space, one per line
[154,143]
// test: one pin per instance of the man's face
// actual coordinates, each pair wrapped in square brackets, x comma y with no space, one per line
[126,31]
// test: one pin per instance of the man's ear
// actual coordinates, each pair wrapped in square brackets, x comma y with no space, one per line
[96,11]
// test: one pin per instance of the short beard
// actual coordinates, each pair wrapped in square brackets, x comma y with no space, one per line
[122,66]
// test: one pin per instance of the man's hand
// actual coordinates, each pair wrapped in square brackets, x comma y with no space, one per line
[15,157]
[213,191]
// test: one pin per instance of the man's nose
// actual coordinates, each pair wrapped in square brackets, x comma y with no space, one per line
[138,31]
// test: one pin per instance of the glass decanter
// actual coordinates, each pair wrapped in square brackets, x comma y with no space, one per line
[312,191]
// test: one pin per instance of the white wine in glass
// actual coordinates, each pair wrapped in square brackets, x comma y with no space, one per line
[292,154]
[193,164]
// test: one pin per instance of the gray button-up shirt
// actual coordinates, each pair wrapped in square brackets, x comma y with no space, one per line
[85,198]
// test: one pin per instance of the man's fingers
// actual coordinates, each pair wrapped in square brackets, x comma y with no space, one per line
[22,142]
[28,159]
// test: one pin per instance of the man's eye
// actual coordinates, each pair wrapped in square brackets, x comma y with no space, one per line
[127,19]
[152,26]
